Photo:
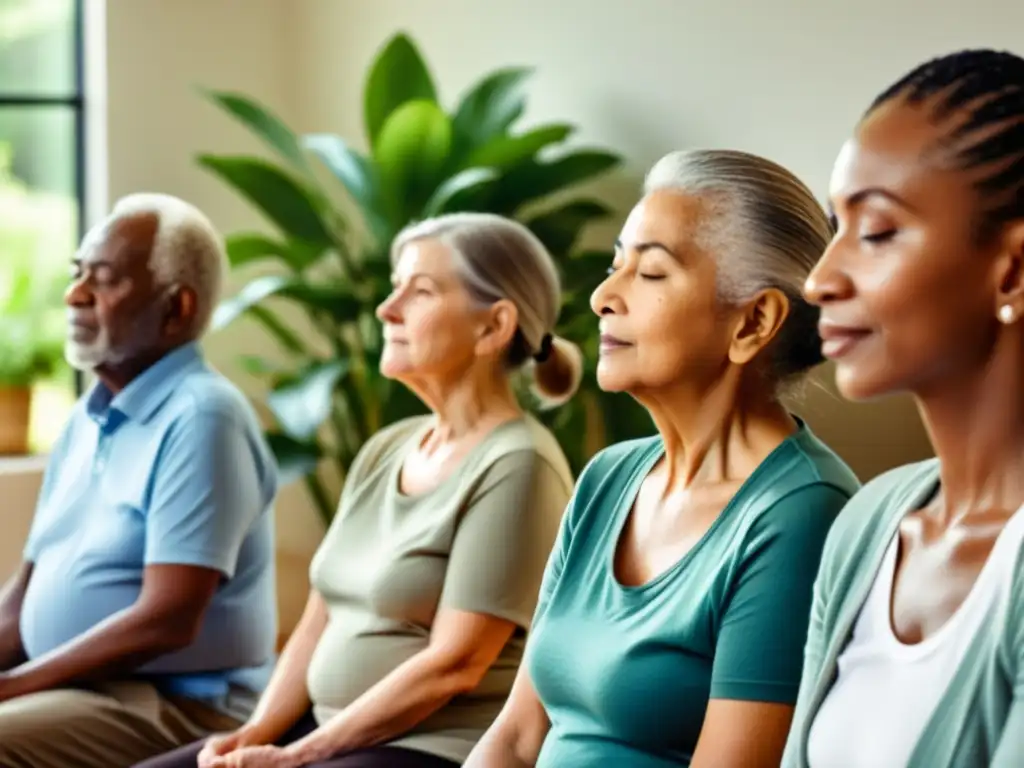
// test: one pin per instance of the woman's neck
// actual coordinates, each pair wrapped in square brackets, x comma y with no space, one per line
[976,426]
[468,404]
[718,433]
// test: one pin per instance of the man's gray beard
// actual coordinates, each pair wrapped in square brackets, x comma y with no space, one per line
[89,357]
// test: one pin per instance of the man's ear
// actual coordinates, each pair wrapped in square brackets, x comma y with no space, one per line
[497,328]
[1009,297]
[180,312]
[758,325]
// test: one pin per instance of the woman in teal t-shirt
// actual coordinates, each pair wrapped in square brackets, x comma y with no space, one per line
[674,610]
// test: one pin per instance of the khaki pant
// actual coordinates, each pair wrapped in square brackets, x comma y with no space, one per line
[113,725]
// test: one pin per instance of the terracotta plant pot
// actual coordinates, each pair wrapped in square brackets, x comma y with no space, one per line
[15,409]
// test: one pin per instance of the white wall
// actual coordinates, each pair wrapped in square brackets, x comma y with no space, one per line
[786,78]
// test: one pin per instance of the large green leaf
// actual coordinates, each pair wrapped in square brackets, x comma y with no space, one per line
[285,336]
[248,247]
[255,365]
[356,173]
[411,151]
[251,295]
[559,229]
[284,200]
[584,271]
[398,75]
[337,300]
[490,107]
[462,183]
[302,404]
[263,123]
[624,417]
[294,458]
[509,151]
[536,179]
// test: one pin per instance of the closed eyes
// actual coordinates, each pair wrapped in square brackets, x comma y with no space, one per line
[878,237]
[643,275]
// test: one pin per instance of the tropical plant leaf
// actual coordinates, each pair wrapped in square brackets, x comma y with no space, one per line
[294,458]
[337,300]
[356,173]
[411,151]
[509,151]
[489,108]
[559,229]
[283,199]
[255,365]
[285,336]
[536,179]
[251,295]
[302,404]
[582,272]
[262,122]
[462,183]
[398,75]
[624,417]
[248,247]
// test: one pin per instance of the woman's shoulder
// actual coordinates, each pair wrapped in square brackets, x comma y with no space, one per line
[612,468]
[873,509]
[523,441]
[867,522]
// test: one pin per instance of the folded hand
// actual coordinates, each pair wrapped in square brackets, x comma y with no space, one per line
[252,757]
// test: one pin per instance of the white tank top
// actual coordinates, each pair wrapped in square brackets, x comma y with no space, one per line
[886,691]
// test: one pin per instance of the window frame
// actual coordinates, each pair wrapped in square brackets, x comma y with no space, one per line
[76,103]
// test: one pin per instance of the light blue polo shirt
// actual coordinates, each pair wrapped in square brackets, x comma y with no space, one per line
[172,470]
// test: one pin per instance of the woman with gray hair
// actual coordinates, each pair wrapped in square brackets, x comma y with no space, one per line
[426,583]
[674,609]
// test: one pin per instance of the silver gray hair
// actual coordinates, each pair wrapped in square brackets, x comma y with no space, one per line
[765,229]
[187,249]
[499,258]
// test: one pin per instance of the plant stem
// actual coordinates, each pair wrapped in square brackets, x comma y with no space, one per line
[320,499]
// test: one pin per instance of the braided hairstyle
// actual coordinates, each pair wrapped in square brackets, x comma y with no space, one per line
[986,88]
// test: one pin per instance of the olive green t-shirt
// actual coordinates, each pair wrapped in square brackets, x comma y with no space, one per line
[477,542]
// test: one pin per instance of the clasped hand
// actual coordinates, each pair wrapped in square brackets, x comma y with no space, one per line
[231,751]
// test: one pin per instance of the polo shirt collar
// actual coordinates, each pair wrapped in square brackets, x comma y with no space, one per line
[147,392]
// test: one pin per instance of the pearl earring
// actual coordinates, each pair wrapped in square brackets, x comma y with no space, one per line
[1006,314]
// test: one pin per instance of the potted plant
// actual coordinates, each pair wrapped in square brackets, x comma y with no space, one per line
[31,310]
[31,342]
[423,159]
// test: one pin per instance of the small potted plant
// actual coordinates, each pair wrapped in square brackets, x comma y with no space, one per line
[31,348]
[32,280]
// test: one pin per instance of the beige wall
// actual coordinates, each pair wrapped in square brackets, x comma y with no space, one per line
[785,78]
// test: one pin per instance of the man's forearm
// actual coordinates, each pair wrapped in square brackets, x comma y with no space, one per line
[113,648]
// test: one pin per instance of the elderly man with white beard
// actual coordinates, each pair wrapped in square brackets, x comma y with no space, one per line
[143,616]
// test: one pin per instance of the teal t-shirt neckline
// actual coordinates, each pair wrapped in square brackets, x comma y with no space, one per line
[656,452]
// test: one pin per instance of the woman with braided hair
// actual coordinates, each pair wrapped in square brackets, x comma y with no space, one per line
[915,655]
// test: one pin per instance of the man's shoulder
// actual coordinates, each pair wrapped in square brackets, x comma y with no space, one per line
[207,393]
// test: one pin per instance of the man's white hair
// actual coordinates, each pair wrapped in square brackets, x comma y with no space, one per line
[187,249]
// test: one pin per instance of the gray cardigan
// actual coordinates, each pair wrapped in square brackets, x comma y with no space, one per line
[980,719]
